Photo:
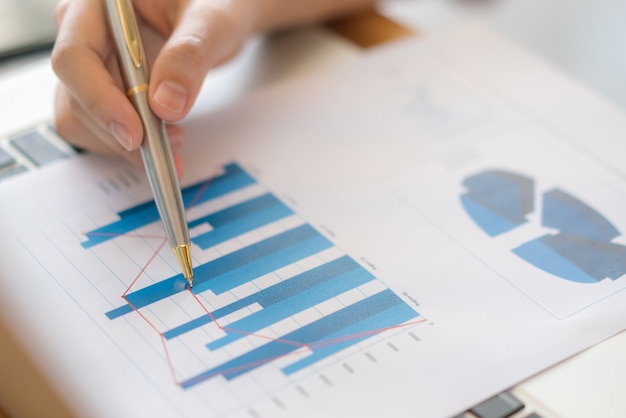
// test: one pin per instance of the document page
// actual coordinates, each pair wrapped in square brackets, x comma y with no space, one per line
[405,236]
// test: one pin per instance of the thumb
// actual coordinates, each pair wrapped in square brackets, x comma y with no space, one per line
[207,33]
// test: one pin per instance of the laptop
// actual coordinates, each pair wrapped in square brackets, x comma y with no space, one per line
[28,31]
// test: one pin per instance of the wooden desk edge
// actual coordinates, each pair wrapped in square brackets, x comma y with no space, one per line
[369,28]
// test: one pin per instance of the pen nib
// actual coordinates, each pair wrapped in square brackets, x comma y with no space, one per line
[183,255]
[189,281]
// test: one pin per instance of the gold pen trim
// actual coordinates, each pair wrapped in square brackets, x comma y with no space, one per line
[131,32]
[137,89]
[183,256]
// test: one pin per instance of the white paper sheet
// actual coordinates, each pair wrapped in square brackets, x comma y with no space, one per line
[433,170]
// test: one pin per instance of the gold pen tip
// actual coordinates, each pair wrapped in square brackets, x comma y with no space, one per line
[183,256]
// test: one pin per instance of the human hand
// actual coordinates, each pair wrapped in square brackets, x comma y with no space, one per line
[183,39]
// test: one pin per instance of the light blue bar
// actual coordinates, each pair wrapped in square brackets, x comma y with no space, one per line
[240,219]
[120,311]
[292,305]
[242,266]
[141,215]
[187,326]
[275,293]
[311,333]
[238,267]
[391,317]
[156,292]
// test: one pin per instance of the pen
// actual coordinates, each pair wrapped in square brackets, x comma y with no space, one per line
[155,147]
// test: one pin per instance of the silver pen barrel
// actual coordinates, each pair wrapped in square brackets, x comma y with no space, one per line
[157,158]
[155,147]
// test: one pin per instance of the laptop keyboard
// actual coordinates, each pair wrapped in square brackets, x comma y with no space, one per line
[31,150]
[504,405]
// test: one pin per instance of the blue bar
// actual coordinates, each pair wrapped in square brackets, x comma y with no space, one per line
[157,291]
[239,219]
[242,266]
[238,267]
[308,334]
[149,295]
[275,293]
[391,317]
[117,312]
[188,326]
[141,215]
[290,306]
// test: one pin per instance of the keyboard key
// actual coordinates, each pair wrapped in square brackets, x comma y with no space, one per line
[500,406]
[6,159]
[37,148]
[10,172]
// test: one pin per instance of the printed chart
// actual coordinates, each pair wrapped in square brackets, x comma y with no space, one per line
[581,251]
[409,240]
[545,225]
[270,291]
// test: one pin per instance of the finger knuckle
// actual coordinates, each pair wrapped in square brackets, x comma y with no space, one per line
[191,50]
[59,11]
[61,56]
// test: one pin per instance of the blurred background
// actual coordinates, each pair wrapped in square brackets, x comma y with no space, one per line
[26,26]
[584,38]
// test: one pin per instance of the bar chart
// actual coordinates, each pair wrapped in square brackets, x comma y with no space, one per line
[318,310]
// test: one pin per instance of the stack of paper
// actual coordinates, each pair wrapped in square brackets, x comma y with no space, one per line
[408,235]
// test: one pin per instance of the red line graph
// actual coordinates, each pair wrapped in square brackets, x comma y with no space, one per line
[302,347]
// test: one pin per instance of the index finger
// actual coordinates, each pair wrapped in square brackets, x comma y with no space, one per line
[79,57]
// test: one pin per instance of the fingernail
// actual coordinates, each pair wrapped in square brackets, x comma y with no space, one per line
[122,135]
[171,96]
